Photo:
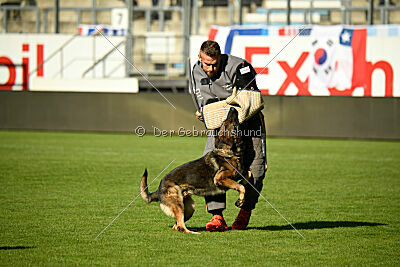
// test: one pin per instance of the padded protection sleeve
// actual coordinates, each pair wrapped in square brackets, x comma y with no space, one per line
[245,74]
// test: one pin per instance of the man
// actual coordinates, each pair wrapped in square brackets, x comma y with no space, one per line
[214,77]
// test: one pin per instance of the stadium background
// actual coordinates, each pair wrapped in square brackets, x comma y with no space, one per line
[62,182]
[163,34]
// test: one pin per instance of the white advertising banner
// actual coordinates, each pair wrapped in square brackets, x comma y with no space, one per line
[318,60]
[24,56]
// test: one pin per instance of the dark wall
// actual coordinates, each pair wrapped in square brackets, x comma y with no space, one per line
[337,117]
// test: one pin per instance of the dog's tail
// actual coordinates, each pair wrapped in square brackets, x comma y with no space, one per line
[144,191]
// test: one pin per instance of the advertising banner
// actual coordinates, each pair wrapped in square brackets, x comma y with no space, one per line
[318,60]
[58,56]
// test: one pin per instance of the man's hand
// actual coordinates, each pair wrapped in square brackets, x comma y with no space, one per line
[198,115]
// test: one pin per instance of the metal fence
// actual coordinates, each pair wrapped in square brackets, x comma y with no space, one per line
[12,13]
[235,10]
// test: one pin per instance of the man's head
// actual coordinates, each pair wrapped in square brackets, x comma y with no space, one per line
[209,57]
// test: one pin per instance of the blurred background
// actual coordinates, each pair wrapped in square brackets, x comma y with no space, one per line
[95,65]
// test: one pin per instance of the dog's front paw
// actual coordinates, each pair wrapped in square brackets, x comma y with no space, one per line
[239,203]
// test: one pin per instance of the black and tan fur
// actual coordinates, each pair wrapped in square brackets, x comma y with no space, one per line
[211,174]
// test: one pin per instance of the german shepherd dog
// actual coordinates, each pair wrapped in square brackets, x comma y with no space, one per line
[214,173]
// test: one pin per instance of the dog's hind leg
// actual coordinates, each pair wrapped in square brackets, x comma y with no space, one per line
[188,210]
[180,224]
[174,201]
[180,220]
[189,207]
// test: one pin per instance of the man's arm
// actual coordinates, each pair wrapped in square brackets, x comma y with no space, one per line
[192,84]
[191,88]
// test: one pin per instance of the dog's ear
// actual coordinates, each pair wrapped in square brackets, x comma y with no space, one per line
[233,116]
[232,113]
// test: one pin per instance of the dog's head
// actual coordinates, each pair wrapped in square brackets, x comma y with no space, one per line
[229,136]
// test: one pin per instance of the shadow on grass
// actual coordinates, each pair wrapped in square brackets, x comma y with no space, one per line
[15,247]
[316,225]
[197,229]
[303,226]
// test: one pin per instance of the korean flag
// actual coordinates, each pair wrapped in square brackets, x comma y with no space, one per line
[323,53]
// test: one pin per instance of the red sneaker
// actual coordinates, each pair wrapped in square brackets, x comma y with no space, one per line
[217,224]
[242,220]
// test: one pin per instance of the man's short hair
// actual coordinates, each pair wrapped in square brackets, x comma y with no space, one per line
[210,48]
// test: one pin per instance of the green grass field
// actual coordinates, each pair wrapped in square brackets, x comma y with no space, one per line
[59,190]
